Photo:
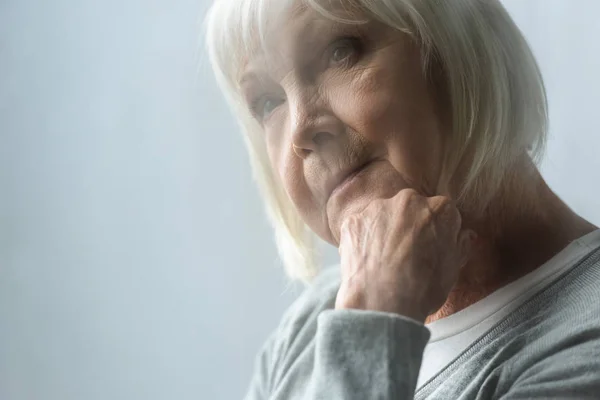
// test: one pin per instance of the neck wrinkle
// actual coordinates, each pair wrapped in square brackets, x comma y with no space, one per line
[522,228]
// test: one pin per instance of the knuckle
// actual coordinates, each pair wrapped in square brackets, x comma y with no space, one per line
[443,205]
[405,196]
[440,202]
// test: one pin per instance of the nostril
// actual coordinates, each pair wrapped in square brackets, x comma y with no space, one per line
[301,152]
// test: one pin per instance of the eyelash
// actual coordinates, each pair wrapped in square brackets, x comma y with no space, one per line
[346,41]
[257,107]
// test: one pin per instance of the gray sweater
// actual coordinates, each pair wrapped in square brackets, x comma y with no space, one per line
[548,348]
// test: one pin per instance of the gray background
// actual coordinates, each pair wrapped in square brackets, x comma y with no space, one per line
[135,259]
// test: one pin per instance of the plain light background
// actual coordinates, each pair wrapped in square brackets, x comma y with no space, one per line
[135,258]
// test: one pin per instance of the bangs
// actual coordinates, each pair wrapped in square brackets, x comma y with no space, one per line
[237,31]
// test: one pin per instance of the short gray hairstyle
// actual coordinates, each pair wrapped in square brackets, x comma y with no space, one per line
[494,86]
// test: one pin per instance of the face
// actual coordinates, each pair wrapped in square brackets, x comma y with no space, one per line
[348,116]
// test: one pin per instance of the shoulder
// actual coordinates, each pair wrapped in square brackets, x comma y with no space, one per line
[318,295]
[549,347]
[575,296]
[561,344]
[570,306]
[289,347]
[300,319]
[287,350]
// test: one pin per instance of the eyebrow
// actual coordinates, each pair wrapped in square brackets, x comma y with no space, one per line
[248,73]
[247,76]
[251,75]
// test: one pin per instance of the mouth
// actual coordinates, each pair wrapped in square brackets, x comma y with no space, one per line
[347,181]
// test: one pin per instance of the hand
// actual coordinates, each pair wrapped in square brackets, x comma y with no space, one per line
[402,255]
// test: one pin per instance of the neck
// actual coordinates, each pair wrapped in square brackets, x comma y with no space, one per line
[525,226]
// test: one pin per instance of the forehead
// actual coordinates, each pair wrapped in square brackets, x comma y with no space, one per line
[293,33]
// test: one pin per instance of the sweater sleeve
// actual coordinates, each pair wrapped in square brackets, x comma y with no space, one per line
[357,355]
[367,355]
[318,352]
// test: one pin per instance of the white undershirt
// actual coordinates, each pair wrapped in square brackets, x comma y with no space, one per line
[452,335]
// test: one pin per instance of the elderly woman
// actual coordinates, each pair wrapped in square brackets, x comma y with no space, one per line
[406,133]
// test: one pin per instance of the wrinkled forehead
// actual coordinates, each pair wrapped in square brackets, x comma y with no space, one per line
[291,29]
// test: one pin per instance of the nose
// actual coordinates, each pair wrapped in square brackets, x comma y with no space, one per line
[312,125]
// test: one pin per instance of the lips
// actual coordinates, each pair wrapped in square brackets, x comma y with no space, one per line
[350,176]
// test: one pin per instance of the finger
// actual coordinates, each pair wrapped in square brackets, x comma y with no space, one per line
[448,214]
[408,204]
[408,192]
[406,197]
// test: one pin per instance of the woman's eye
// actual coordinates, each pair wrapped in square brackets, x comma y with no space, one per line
[344,50]
[341,53]
[262,108]
[268,106]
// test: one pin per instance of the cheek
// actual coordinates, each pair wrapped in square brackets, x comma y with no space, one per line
[363,102]
[392,107]
[277,145]
[288,168]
